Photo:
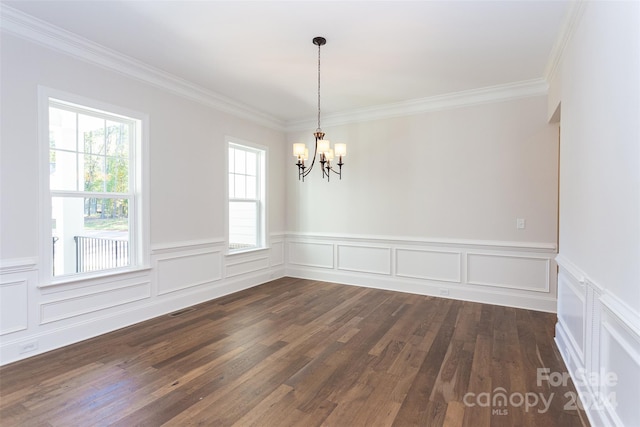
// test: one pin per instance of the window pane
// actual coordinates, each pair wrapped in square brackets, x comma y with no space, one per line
[117,139]
[232,181]
[91,134]
[251,187]
[62,170]
[93,172]
[242,225]
[117,175]
[89,234]
[240,187]
[240,159]
[62,129]
[251,163]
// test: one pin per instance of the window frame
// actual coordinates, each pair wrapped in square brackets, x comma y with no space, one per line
[261,194]
[137,194]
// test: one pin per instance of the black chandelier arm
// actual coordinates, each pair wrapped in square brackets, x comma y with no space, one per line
[313,161]
[330,168]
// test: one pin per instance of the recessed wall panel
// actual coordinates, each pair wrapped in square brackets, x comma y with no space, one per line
[311,254]
[620,369]
[364,259]
[571,300]
[13,307]
[508,271]
[277,253]
[186,271]
[246,266]
[429,265]
[71,307]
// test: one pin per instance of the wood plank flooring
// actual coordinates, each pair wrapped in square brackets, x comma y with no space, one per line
[303,353]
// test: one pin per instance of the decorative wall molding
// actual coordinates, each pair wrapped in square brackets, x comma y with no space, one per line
[277,254]
[18,265]
[67,308]
[467,98]
[35,319]
[599,335]
[428,267]
[14,306]
[425,241]
[364,259]
[162,248]
[426,264]
[189,269]
[35,30]
[524,272]
[247,265]
[43,33]
[310,254]
[575,11]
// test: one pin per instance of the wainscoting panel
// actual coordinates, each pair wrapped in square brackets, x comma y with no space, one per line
[429,264]
[504,273]
[571,312]
[247,265]
[39,318]
[364,259]
[311,254]
[277,253]
[53,311]
[620,370]
[508,271]
[607,377]
[183,271]
[14,306]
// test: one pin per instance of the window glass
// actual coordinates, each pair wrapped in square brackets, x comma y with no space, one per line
[246,207]
[91,179]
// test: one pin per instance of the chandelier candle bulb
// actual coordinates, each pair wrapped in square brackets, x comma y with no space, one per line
[340,150]
[324,145]
[329,155]
[298,149]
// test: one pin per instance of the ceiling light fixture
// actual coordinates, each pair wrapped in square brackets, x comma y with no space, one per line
[322,146]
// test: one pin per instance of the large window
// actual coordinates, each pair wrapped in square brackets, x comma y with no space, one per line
[246,197]
[94,189]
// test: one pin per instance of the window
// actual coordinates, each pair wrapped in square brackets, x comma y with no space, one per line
[246,197]
[93,176]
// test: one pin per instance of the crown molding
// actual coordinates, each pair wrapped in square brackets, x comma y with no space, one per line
[523,89]
[572,17]
[22,25]
[35,30]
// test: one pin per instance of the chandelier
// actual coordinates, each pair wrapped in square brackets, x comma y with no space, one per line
[323,150]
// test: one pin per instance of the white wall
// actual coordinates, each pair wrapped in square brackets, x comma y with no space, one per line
[449,184]
[464,173]
[187,197]
[599,279]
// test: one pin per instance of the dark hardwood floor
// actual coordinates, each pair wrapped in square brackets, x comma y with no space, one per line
[305,353]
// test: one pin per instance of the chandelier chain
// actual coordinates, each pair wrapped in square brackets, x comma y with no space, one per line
[319,129]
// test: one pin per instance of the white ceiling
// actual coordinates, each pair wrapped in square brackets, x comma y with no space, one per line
[378,52]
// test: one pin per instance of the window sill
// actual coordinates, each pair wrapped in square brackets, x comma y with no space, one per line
[246,251]
[86,277]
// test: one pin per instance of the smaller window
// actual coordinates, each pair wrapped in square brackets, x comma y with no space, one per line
[246,197]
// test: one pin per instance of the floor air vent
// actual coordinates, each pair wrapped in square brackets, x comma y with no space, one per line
[181,312]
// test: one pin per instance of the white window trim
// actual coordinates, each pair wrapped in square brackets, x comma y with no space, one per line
[229,140]
[140,226]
